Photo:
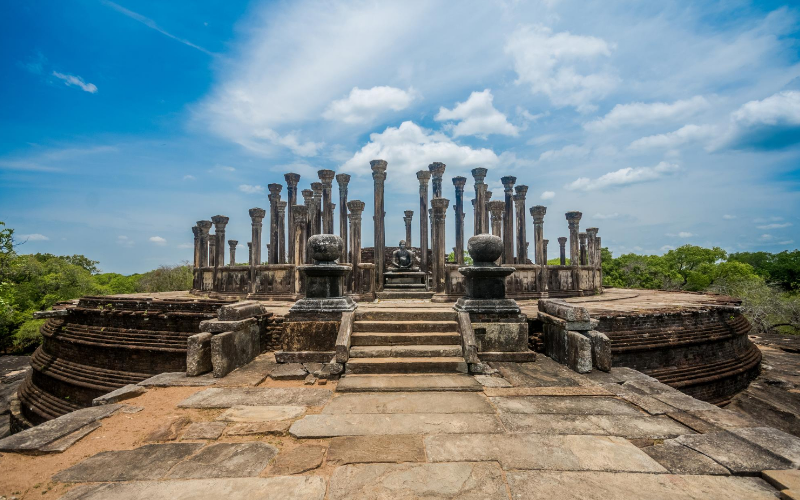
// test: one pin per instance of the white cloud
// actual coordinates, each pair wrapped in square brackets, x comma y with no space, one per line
[76,81]
[781,108]
[685,234]
[667,248]
[775,226]
[33,237]
[728,217]
[364,105]
[639,113]
[477,116]
[124,241]
[548,195]
[687,133]
[605,216]
[766,237]
[185,245]
[189,177]
[247,188]
[786,242]
[290,140]
[158,240]
[551,64]
[769,124]
[570,151]
[624,177]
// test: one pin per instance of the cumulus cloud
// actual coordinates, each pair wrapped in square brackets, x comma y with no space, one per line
[364,105]
[624,177]
[189,177]
[685,134]
[477,116]
[33,237]
[561,65]
[605,216]
[247,188]
[290,140]
[728,217]
[76,81]
[640,113]
[548,195]
[775,226]
[124,241]
[771,123]
[570,151]
[158,240]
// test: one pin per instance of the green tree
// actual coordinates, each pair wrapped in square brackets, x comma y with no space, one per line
[693,265]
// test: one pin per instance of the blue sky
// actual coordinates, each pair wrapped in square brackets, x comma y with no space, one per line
[665,123]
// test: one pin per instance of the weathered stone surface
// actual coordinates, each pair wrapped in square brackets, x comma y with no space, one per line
[126,392]
[251,374]
[550,424]
[218,326]
[783,479]
[679,459]
[375,449]
[5,425]
[198,354]
[493,382]
[230,350]
[569,391]
[261,413]
[274,428]
[318,426]
[225,460]
[543,373]
[312,368]
[571,405]
[656,427]
[298,460]
[601,350]
[131,409]
[242,310]
[623,485]
[670,396]
[288,371]
[204,430]
[147,462]
[62,444]
[310,380]
[627,426]
[34,439]
[177,379]
[270,488]
[409,402]
[648,403]
[538,451]
[257,396]
[724,418]
[733,452]
[775,441]
[579,352]
[619,375]
[169,429]
[467,481]
[563,310]
[696,424]
[408,383]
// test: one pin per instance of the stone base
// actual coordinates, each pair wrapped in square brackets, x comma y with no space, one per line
[405,280]
[487,306]
[392,294]
[512,357]
[338,304]
[304,356]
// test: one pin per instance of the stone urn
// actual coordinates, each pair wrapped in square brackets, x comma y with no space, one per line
[485,281]
[323,279]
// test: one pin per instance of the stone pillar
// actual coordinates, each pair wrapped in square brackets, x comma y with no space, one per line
[232,244]
[591,244]
[343,180]
[249,253]
[583,256]
[537,212]
[212,250]
[379,177]
[497,209]
[291,194]
[356,208]
[487,197]
[409,216]
[437,173]
[316,217]
[196,233]
[573,221]
[220,221]
[522,238]
[459,183]
[281,232]
[203,226]
[562,242]
[439,246]
[326,177]
[432,262]
[256,216]
[508,219]
[479,174]
[423,177]
[599,260]
[308,202]
[544,251]
[274,197]
[300,236]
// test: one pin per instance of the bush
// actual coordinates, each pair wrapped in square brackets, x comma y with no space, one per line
[28,337]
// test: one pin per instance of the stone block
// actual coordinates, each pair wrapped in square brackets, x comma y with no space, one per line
[409,402]
[375,449]
[304,356]
[288,371]
[261,413]
[580,326]
[564,405]
[204,430]
[579,352]
[737,454]
[126,392]
[501,336]
[601,350]
[218,326]
[321,426]
[225,460]
[241,310]
[257,396]
[230,350]
[408,383]
[679,459]
[310,336]
[147,462]
[563,310]
[169,429]
[177,379]
[298,460]
[198,354]
[271,428]
[783,479]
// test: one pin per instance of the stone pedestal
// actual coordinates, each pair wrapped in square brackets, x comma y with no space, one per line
[405,280]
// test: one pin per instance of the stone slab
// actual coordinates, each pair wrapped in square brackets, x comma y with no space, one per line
[409,402]
[270,488]
[319,426]
[177,379]
[5,425]
[564,310]
[571,406]
[570,485]
[543,373]
[233,349]
[151,461]
[218,326]
[125,392]
[375,449]
[274,428]
[734,453]
[169,429]
[463,481]
[619,375]
[628,426]
[204,430]
[288,371]
[251,374]
[63,444]
[298,460]
[242,310]
[494,382]
[783,479]
[542,452]
[679,459]
[225,460]
[773,440]
[670,396]
[408,383]
[655,427]
[257,396]
[550,424]
[261,413]
[198,354]
[569,391]
[696,424]
[648,403]
[725,418]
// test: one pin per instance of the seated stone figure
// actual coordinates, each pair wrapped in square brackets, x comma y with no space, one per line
[402,258]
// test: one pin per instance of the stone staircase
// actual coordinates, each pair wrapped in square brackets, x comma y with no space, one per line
[405,341]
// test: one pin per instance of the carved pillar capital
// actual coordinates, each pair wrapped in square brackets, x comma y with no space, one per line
[326,176]
[508,182]
[343,180]
[204,226]
[538,212]
[356,208]
[292,179]
[521,191]
[479,174]
[275,189]
[378,170]
[220,221]
[257,215]
[573,218]
[459,183]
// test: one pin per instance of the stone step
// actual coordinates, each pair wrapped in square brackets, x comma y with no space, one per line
[436,382]
[406,365]
[404,338]
[410,351]
[416,326]
[400,314]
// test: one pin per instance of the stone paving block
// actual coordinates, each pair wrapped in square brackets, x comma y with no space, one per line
[151,461]
[178,379]
[169,429]
[375,449]
[679,459]
[463,481]
[725,418]
[408,383]
[288,371]
[225,460]
[696,424]
[790,495]
[733,452]
[489,381]
[126,392]
[242,310]
[232,349]
[257,396]
[269,488]
[783,479]
[298,460]
[648,403]
[775,441]
[544,452]
[670,396]
[62,444]
[545,373]
[655,427]
[319,426]
[569,391]
[569,485]
[274,428]
[261,413]
[204,430]
[251,374]
[550,424]
[409,402]
[570,406]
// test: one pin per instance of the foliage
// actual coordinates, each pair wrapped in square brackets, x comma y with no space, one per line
[166,279]
[451,258]
[782,269]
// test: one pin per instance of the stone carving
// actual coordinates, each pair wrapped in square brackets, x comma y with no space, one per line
[403,258]
[324,277]
[485,281]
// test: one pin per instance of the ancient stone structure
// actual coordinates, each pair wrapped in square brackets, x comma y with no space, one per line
[292,181]
[459,183]
[281,207]
[408,218]
[522,239]
[379,177]
[343,180]
[326,177]
[274,237]
[316,217]
[232,244]
[508,219]
[423,176]
[439,271]
[562,241]
[479,203]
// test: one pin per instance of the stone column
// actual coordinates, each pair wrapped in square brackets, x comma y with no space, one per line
[562,242]
[379,177]
[356,208]
[308,202]
[256,216]
[343,180]
[508,219]
[522,238]
[599,259]
[274,197]
[459,183]
[250,253]
[196,233]
[573,221]
[487,197]
[544,251]
[479,204]
[291,194]
[409,216]
[232,244]
[281,232]
[220,221]
[439,246]
[591,244]
[537,212]
[212,250]
[316,217]
[437,173]
[326,177]
[423,177]
[203,226]
[497,209]
[299,234]
[432,262]
[583,256]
